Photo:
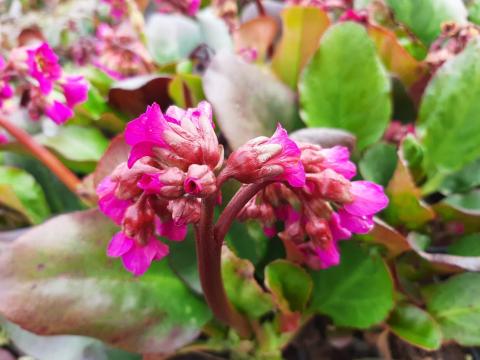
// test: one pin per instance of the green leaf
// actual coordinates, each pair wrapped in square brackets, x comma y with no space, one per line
[248,241]
[302,28]
[290,285]
[62,264]
[448,112]
[358,292]
[474,11]
[378,163]
[455,305]
[466,246]
[469,201]
[415,326]
[241,287]
[345,85]
[248,101]
[81,147]
[21,192]
[463,180]
[182,83]
[426,17]
[463,208]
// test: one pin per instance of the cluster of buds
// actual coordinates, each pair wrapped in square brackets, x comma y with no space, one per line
[120,53]
[118,9]
[176,163]
[39,80]
[325,209]
[159,190]
[453,40]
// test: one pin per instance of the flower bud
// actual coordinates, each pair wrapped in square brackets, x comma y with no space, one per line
[138,222]
[185,210]
[337,158]
[166,183]
[263,159]
[330,186]
[200,181]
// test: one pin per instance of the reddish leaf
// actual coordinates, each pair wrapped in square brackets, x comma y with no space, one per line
[133,95]
[116,153]
[258,34]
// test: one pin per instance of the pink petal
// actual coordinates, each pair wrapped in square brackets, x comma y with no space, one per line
[338,231]
[337,158]
[59,112]
[170,230]
[75,90]
[356,224]
[150,183]
[193,7]
[369,198]
[119,245]
[145,132]
[139,258]
[269,231]
[108,203]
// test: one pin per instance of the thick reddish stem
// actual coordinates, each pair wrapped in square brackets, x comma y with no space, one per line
[209,254]
[233,208]
[43,155]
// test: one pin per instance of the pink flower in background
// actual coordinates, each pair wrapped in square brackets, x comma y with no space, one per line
[58,112]
[43,66]
[187,7]
[3,139]
[276,158]
[118,8]
[136,258]
[75,89]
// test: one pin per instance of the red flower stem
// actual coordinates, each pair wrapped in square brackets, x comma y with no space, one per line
[209,254]
[233,208]
[43,155]
[260,7]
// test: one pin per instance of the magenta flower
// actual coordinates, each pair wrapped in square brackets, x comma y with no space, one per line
[43,66]
[171,230]
[276,159]
[75,89]
[58,112]
[200,181]
[3,139]
[167,183]
[136,258]
[178,138]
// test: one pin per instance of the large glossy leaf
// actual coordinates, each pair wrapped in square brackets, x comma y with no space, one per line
[290,285]
[247,101]
[19,191]
[425,17]
[62,347]
[463,180]
[241,287]
[415,326]
[57,279]
[455,305]
[248,241]
[356,293]
[303,27]
[449,112]
[80,147]
[345,85]
[325,137]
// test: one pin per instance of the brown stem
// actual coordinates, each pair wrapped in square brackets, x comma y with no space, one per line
[260,7]
[233,208]
[209,254]
[43,155]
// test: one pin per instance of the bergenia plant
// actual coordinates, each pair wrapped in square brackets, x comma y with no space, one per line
[174,176]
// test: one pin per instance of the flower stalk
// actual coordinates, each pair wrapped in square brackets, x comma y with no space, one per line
[43,155]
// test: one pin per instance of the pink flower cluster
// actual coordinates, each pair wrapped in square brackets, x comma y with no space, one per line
[187,7]
[176,162]
[326,209]
[159,190]
[120,53]
[39,78]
